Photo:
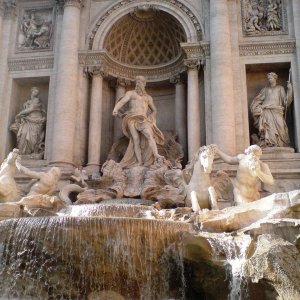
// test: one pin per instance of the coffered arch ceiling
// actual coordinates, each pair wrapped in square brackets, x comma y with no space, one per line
[145,38]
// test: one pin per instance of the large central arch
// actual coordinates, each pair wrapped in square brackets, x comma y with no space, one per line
[101,26]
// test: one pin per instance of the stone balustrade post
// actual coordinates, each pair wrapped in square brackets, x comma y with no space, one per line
[222,95]
[180,111]
[193,107]
[67,87]
[95,123]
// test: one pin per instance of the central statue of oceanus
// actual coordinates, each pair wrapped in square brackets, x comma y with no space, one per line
[140,127]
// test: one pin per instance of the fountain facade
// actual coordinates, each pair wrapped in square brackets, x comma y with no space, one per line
[187,188]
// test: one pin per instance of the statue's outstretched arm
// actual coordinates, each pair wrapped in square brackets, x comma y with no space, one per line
[232,160]
[30,173]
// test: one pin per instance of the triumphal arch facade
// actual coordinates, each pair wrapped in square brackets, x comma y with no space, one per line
[65,64]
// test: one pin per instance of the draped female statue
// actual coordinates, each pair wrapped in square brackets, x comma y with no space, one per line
[29,126]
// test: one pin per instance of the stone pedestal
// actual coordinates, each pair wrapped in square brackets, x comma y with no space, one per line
[223,129]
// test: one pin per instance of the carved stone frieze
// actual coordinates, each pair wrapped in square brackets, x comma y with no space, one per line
[122,4]
[36,27]
[267,48]
[264,17]
[37,63]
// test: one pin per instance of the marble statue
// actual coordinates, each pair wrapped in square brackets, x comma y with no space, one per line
[8,188]
[29,126]
[268,109]
[47,181]
[200,192]
[139,126]
[249,173]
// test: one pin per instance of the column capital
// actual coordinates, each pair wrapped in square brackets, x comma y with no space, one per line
[9,8]
[177,79]
[192,63]
[97,71]
[122,82]
[76,3]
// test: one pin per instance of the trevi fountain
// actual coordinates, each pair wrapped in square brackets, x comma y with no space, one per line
[150,149]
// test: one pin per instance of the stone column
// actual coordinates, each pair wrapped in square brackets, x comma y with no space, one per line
[66,89]
[296,68]
[95,123]
[7,20]
[180,111]
[120,92]
[193,107]
[223,130]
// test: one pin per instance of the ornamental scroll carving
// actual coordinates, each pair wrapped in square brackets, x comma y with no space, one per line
[35,31]
[264,17]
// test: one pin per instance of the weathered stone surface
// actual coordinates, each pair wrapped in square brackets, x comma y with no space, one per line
[237,217]
[277,262]
[11,210]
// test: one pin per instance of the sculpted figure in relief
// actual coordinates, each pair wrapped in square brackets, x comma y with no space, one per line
[29,125]
[249,173]
[35,32]
[269,110]
[273,22]
[255,13]
[140,127]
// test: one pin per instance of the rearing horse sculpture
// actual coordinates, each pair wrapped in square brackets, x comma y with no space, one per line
[200,191]
[8,187]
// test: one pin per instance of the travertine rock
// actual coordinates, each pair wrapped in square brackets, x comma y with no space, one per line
[277,262]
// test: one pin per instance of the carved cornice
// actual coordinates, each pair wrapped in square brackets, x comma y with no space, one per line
[116,69]
[122,4]
[36,63]
[267,48]
[196,50]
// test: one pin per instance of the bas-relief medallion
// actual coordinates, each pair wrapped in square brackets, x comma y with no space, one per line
[264,17]
[35,30]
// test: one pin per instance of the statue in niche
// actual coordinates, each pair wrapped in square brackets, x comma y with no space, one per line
[29,126]
[35,31]
[268,109]
[140,127]
[249,173]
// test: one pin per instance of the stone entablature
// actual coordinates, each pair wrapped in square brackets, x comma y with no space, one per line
[36,63]
[267,48]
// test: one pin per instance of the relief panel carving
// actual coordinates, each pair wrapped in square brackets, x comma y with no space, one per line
[264,17]
[35,32]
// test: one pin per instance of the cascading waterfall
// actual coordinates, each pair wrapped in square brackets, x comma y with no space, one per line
[234,250]
[69,258]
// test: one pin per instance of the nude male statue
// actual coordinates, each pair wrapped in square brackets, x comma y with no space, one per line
[46,183]
[250,171]
[140,127]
